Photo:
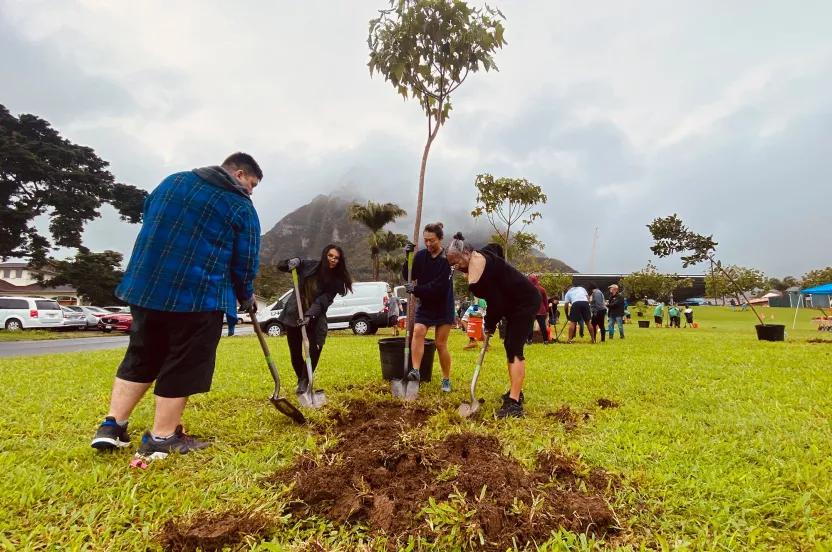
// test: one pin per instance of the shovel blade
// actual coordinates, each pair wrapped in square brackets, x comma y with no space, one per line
[312,401]
[411,391]
[398,388]
[285,407]
[469,410]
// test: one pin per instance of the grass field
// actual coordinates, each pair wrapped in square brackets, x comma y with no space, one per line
[41,335]
[721,442]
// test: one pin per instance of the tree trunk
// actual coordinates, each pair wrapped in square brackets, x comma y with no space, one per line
[508,236]
[737,287]
[417,226]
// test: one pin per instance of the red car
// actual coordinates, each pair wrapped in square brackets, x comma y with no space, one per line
[119,321]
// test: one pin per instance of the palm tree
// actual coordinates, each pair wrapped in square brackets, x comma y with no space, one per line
[393,265]
[390,241]
[375,216]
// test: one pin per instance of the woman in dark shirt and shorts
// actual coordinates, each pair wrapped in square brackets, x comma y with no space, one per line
[510,295]
[433,287]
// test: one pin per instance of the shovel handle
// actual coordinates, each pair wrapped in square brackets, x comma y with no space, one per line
[477,369]
[265,346]
[307,356]
[408,331]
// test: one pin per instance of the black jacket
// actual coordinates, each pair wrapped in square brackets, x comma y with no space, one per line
[615,306]
[316,301]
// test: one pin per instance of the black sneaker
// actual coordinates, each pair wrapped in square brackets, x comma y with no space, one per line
[511,409]
[506,397]
[110,435]
[180,442]
[413,375]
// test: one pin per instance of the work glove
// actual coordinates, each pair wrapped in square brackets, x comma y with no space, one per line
[294,263]
[409,287]
[304,321]
[409,248]
[248,305]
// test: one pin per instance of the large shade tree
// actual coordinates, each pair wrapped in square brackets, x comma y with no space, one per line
[42,173]
[426,49]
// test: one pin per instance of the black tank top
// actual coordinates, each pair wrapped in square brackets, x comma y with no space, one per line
[504,288]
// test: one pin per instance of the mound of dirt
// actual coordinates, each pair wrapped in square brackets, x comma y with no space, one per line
[607,403]
[568,417]
[376,476]
[210,532]
[818,340]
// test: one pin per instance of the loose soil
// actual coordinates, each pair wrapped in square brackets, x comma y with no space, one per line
[568,417]
[382,476]
[210,532]
[818,340]
[606,403]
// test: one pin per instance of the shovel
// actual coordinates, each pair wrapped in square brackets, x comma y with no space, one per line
[281,403]
[468,410]
[310,399]
[404,388]
[559,333]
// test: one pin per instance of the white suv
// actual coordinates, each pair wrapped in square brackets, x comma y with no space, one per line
[24,313]
[363,310]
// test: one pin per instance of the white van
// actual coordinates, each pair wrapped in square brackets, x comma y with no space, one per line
[24,313]
[363,310]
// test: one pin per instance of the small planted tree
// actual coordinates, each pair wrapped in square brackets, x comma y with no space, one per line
[426,49]
[649,282]
[671,236]
[746,280]
[508,203]
[375,216]
[555,283]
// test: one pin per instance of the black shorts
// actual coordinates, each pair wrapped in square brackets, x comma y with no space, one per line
[175,349]
[580,311]
[392,321]
[517,332]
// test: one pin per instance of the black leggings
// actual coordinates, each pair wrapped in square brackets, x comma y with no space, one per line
[541,323]
[295,340]
[517,331]
[598,322]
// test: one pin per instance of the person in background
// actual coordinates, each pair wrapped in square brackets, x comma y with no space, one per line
[688,317]
[510,295]
[541,313]
[432,284]
[658,315]
[674,316]
[231,319]
[394,305]
[231,312]
[616,309]
[627,318]
[578,300]
[554,313]
[477,308]
[200,237]
[319,283]
[598,310]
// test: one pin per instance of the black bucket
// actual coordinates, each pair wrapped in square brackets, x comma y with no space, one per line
[771,332]
[643,323]
[391,350]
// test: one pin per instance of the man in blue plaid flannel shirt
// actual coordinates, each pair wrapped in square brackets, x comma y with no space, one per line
[197,248]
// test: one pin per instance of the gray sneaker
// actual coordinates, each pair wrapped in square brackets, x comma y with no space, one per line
[181,442]
[446,385]
[110,435]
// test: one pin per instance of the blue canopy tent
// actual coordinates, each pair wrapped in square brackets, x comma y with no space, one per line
[825,289]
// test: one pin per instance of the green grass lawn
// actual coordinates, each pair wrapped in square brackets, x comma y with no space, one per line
[722,442]
[41,335]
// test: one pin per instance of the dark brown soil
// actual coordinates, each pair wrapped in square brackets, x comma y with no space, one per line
[818,340]
[607,403]
[210,532]
[568,417]
[376,477]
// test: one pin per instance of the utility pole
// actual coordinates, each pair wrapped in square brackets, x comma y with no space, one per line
[594,247]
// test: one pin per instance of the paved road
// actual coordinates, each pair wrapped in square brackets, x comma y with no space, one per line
[81,344]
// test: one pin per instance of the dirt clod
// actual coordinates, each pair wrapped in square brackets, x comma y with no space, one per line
[210,532]
[375,476]
[568,417]
[607,403]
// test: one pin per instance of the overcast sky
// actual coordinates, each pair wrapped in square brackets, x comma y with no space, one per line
[621,111]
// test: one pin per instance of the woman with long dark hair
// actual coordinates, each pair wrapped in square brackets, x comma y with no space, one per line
[510,295]
[319,282]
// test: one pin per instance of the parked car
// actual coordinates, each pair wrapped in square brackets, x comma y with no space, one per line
[363,310]
[119,321]
[91,314]
[74,319]
[116,308]
[23,313]
[695,302]
[243,317]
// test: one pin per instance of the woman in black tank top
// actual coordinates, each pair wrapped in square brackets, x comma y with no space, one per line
[509,295]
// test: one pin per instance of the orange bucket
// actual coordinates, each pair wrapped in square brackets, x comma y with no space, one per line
[475,328]
[403,322]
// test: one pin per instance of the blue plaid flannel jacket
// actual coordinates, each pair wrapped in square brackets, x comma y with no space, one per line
[197,248]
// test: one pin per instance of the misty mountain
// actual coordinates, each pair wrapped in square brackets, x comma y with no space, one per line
[306,231]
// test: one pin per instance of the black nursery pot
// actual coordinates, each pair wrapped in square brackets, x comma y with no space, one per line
[643,323]
[391,350]
[771,332]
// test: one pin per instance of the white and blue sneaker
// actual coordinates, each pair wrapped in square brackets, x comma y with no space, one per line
[446,385]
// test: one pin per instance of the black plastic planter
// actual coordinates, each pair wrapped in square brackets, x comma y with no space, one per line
[643,323]
[771,332]
[391,350]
